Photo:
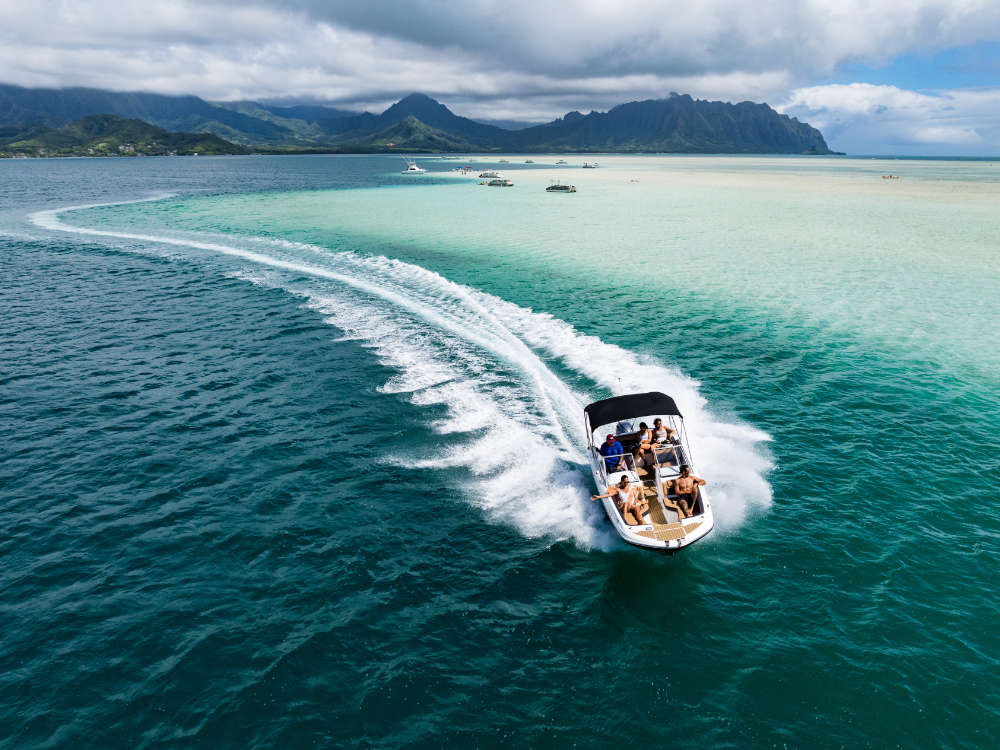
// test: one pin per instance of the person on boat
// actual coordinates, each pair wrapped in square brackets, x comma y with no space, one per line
[686,489]
[662,441]
[662,434]
[627,497]
[614,455]
[645,443]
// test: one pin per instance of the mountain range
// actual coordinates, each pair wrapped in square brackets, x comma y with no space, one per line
[418,123]
[111,135]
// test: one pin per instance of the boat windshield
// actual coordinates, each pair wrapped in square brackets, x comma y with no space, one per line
[668,451]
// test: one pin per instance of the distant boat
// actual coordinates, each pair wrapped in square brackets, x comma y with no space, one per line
[529,161]
[488,175]
[504,161]
[500,182]
[558,187]
[588,165]
[562,161]
[412,168]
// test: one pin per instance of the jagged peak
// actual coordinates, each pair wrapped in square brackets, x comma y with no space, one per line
[418,96]
[416,103]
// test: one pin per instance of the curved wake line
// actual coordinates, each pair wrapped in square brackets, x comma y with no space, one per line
[509,432]
[519,355]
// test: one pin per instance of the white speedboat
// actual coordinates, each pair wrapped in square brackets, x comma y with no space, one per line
[665,528]
[412,168]
[489,174]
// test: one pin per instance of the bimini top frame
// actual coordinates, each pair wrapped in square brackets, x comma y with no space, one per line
[628,407]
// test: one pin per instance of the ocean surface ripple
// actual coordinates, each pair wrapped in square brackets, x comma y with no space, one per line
[275,486]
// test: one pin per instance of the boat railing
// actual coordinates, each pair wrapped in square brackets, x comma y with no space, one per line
[605,470]
[663,452]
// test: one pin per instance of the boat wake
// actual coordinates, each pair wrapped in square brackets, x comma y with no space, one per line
[485,368]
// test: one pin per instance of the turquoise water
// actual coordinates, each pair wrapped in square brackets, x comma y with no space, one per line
[292,453]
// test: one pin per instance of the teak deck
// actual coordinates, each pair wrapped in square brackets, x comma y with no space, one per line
[666,526]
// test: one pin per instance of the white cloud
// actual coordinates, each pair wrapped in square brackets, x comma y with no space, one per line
[676,37]
[865,118]
[521,59]
[951,135]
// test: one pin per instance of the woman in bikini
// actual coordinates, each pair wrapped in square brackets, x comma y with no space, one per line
[627,497]
[646,442]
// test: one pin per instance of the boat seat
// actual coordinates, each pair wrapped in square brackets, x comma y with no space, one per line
[667,455]
[670,500]
[630,519]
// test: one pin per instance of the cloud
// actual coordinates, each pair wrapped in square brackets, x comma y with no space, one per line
[865,118]
[517,59]
[673,38]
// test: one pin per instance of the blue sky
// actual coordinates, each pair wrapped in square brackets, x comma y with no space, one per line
[951,90]
[876,76]
[968,66]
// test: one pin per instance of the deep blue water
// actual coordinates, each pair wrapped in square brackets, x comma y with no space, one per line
[223,529]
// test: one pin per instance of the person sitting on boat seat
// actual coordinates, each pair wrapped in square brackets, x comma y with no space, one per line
[614,455]
[662,434]
[628,498]
[686,489]
[645,443]
[662,447]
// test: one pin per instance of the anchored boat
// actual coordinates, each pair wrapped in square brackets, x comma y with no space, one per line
[412,168]
[558,187]
[666,527]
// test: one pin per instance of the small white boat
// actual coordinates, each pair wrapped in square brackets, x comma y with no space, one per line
[412,168]
[558,187]
[665,528]
[500,182]
[588,165]
[489,174]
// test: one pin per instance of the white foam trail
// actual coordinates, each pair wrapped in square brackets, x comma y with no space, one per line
[496,339]
[512,423]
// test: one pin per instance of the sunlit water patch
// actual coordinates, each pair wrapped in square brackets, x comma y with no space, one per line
[909,265]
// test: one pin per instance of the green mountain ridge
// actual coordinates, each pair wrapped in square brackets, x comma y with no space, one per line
[111,135]
[418,123]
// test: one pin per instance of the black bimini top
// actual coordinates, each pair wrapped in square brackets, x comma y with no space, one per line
[626,407]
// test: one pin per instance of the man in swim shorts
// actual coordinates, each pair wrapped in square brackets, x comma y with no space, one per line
[686,489]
